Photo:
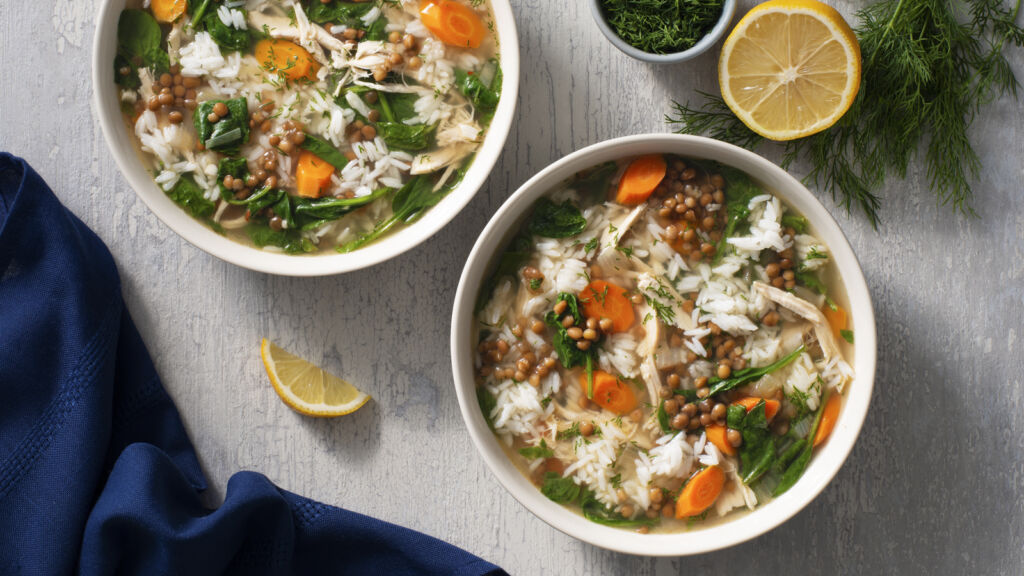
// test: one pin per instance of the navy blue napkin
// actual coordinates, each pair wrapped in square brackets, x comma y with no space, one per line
[97,474]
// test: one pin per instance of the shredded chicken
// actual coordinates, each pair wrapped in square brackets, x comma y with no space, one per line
[280,27]
[805,310]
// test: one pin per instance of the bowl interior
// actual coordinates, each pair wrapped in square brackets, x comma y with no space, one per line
[124,149]
[827,460]
[702,45]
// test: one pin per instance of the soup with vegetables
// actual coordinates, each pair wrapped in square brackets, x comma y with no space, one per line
[306,126]
[662,344]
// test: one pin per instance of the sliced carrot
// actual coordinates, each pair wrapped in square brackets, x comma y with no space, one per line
[602,299]
[836,319]
[286,58]
[700,492]
[642,176]
[167,10]
[312,175]
[771,407]
[453,23]
[716,435]
[828,419]
[611,393]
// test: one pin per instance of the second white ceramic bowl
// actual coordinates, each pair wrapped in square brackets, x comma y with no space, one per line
[106,104]
[827,460]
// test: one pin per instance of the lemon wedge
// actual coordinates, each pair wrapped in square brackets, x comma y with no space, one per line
[307,388]
[790,68]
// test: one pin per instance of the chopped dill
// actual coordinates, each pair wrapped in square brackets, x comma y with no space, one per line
[662,26]
[571,432]
[665,313]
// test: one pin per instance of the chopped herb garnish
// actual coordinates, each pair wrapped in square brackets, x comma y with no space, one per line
[540,451]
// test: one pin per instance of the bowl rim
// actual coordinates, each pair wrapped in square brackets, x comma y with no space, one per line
[827,461]
[702,45]
[105,106]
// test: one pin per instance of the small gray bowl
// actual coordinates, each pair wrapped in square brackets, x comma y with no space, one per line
[728,10]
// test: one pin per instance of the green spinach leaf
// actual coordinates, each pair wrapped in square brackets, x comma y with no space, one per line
[336,12]
[796,469]
[400,136]
[409,203]
[310,213]
[487,402]
[758,449]
[378,31]
[484,97]
[187,194]
[288,240]
[236,168]
[227,134]
[324,150]
[595,181]
[748,375]
[810,280]
[597,512]
[138,46]
[568,353]
[796,222]
[225,36]
[566,491]
[558,489]
[552,220]
[739,190]
[541,450]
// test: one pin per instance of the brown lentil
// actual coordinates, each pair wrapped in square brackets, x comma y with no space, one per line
[734,438]
[586,429]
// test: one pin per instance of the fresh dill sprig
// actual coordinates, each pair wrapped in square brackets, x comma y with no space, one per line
[662,26]
[929,67]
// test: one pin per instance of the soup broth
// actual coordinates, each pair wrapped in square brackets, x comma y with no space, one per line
[663,344]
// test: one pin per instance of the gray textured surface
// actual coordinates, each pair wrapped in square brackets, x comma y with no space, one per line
[934,485]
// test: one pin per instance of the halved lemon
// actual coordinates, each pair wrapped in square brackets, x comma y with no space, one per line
[790,68]
[307,388]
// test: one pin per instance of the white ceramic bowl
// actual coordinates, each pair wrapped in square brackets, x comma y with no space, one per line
[826,461]
[124,149]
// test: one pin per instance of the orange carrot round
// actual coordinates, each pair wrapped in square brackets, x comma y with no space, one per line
[836,319]
[453,23]
[642,176]
[602,299]
[828,419]
[771,407]
[716,435]
[167,11]
[700,492]
[611,393]
[312,175]
[286,58]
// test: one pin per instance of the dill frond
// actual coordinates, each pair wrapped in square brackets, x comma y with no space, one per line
[929,68]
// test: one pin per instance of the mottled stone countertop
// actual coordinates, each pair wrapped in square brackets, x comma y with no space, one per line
[935,484]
